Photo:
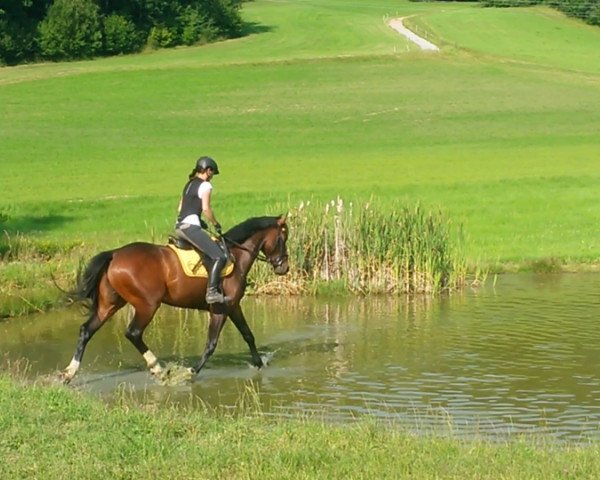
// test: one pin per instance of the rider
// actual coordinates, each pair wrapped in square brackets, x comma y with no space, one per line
[195,201]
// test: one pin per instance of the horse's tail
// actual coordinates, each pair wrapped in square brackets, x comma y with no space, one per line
[88,280]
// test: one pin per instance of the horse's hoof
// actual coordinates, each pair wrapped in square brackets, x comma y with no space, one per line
[64,378]
[266,358]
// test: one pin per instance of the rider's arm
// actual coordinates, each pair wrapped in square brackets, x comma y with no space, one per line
[207,209]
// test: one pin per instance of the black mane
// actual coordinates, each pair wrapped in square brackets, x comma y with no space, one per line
[240,233]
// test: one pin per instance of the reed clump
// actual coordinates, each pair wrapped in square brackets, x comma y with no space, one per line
[368,249]
[29,271]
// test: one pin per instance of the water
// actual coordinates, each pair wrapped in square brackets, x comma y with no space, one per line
[518,356]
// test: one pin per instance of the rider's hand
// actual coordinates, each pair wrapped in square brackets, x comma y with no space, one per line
[218,228]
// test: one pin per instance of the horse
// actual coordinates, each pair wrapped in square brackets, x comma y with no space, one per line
[146,275]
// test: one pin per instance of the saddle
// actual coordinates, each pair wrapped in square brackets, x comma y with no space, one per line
[180,243]
[192,263]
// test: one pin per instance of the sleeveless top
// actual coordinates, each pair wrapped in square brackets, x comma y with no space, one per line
[191,203]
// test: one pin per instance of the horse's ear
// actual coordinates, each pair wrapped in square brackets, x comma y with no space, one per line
[281,220]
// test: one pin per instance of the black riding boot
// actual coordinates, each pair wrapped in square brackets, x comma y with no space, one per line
[212,292]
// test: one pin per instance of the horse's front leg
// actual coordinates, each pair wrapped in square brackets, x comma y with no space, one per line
[238,319]
[217,320]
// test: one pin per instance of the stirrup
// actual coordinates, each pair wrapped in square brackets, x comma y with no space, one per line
[215,297]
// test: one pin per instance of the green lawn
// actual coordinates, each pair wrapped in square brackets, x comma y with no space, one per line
[500,129]
[56,433]
[532,36]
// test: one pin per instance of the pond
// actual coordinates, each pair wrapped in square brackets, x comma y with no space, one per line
[520,355]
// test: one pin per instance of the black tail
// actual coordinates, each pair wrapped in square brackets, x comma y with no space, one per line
[86,289]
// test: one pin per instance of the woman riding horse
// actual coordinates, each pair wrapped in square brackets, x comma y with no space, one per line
[195,200]
[146,275]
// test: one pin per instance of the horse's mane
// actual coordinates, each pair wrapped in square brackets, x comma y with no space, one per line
[240,233]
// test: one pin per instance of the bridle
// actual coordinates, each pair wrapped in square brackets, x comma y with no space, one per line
[275,262]
[282,257]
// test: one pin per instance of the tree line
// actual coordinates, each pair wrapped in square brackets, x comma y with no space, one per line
[33,30]
[586,10]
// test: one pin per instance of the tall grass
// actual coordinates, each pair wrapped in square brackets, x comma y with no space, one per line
[31,270]
[372,250]
[334,246]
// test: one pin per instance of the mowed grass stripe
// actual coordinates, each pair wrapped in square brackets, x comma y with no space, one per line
[537,36]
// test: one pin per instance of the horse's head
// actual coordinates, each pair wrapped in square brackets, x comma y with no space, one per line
[262,235]
[274,246]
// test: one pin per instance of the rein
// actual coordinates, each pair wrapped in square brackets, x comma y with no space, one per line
[261,256]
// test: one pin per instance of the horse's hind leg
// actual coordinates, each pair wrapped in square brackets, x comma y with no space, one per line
[217,320]
[135,331]
[86,332]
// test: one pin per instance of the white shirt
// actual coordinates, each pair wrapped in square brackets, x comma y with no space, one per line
[194,219]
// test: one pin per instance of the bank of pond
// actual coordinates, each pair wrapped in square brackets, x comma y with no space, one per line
[54,432]
[514,357]
[439,364]
[333,247]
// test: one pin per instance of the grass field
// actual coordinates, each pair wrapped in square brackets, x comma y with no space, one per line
[322,98]
[499,130]
[54,432]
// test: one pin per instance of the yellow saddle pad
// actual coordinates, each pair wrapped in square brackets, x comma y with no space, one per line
[192,263]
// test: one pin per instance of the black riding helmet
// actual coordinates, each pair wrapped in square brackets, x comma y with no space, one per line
[206,162]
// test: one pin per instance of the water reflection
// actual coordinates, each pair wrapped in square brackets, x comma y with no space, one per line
[519,355]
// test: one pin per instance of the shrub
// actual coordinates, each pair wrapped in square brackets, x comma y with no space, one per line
[71,30]
[162,37]
[225,14]
[120,35]
[594,18]
[510,3]
[196,28]
[17,38]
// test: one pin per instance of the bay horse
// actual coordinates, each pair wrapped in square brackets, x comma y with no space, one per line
[147,275]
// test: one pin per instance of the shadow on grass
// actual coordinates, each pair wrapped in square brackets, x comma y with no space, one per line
[18,235]
[32,223]
[254,28]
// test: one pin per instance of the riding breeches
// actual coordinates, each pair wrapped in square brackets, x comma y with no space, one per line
[201,240]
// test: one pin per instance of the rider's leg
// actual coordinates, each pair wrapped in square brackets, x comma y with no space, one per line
[214,278]
[202,241]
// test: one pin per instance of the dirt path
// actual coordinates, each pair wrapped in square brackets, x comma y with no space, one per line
[396,24]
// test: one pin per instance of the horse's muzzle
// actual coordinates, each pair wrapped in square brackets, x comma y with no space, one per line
[280,265]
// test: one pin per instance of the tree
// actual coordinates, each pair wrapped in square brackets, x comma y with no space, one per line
[71,30]
[120,35]
[18,23]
